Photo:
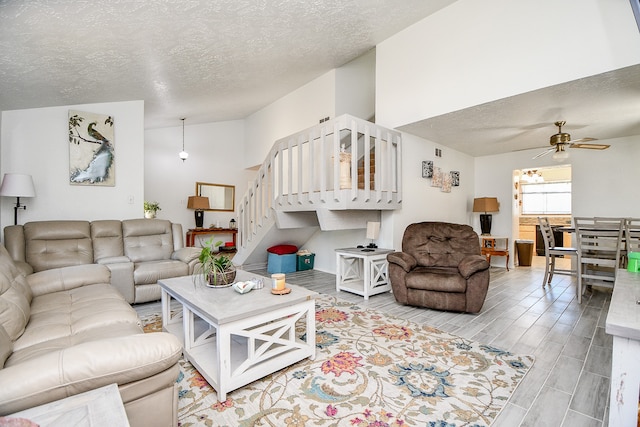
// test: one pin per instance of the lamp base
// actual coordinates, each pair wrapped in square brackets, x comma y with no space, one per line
[485,224]
[199,218]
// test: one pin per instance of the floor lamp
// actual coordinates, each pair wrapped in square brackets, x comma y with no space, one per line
[485,204]
[17,185]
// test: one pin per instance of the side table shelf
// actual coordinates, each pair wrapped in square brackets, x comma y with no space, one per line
[364,273]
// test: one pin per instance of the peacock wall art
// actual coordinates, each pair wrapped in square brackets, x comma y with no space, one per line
[91,149]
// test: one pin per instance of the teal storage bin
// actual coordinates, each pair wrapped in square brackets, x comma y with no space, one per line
[633,264]
[281,263]
[305,262]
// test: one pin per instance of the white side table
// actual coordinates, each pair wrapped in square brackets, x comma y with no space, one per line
[361,272]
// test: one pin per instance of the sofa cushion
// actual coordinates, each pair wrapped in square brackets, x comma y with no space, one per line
[283,249]
[440,244]
[66,313]
[436,279]
[54,244]
[149,272]
[147,239]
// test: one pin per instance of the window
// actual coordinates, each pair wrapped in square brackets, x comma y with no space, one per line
[546,198]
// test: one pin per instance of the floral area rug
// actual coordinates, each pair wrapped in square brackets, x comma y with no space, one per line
[371,369]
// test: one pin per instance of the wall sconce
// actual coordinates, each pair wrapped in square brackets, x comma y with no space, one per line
[485,204]
[198,203]
[183,154]
[17,185]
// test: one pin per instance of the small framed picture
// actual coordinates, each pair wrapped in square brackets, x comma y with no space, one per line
[436,180]
[427,169]
[455,178]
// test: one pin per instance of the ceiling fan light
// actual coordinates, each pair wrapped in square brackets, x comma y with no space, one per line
[560,154]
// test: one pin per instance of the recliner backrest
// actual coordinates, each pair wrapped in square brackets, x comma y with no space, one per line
[55,244]
[147,239]
[440,244]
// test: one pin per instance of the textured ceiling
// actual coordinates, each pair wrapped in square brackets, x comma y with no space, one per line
[604,106]
[207,60]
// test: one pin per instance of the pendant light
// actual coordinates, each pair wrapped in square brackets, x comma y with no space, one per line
[183,154]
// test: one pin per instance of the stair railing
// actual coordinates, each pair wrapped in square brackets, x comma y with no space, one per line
[302,172]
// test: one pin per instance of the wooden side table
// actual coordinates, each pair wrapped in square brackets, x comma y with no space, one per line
[489,247]
[361,272]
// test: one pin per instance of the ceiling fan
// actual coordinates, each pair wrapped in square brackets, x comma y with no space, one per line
[562,140]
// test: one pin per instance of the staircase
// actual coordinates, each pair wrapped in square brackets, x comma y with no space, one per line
[306,184]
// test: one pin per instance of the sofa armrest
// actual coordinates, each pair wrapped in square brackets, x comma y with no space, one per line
[65,278]
[471,265]
[24,267]
[186,255]
[403,259]
[86,366]
[113,260]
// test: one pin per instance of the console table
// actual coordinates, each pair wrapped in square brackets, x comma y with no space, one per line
[193,232]
[362,272]
[489,248]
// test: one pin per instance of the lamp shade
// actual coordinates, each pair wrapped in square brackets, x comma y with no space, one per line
[17,185]
[198,202]
[485,204]
[373,230]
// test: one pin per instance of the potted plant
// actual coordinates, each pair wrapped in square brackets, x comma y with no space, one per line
[216,268]
[150,209]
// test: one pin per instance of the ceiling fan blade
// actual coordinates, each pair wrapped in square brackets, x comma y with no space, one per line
[574,141]
[544,153]
[589,146]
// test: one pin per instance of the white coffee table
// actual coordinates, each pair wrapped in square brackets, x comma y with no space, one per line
[233,339]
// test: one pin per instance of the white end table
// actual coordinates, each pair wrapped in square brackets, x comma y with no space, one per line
[361,272]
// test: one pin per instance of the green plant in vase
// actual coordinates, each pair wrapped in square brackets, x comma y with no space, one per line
[150,209]
[215,267]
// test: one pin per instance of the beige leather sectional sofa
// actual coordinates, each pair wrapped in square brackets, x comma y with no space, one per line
[138,252]
[66,330]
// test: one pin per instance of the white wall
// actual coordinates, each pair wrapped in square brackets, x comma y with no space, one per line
[36,142]
[294,112]
[421,201]
[455,59]
[356,87]
[216,155]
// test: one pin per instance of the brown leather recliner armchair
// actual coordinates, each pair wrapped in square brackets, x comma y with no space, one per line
[440,267]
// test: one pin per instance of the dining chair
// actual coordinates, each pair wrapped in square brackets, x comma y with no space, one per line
[551,252]
[631,236]
[598,250]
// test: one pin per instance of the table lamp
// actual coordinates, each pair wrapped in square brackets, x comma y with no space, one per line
[17,185]
[373,232]
[199,204]
[485,204]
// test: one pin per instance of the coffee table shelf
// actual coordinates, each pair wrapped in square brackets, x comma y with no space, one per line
[233,339]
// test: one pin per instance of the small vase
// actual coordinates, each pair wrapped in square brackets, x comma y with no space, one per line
[149,214]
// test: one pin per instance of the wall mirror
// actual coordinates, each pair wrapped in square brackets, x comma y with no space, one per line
[221,197]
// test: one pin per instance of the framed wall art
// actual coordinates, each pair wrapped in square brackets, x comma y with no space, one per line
[455,178]
[427,169]
[91,149]
[436,179]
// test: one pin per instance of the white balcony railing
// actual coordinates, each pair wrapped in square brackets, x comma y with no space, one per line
[318,169]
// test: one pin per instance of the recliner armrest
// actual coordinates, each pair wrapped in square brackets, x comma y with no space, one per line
[471,265]
[187,254]
[113,260]
[403,259]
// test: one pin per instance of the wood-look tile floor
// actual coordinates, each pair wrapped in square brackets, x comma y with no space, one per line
[569,382]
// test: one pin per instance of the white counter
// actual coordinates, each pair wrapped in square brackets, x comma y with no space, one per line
[623,322]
